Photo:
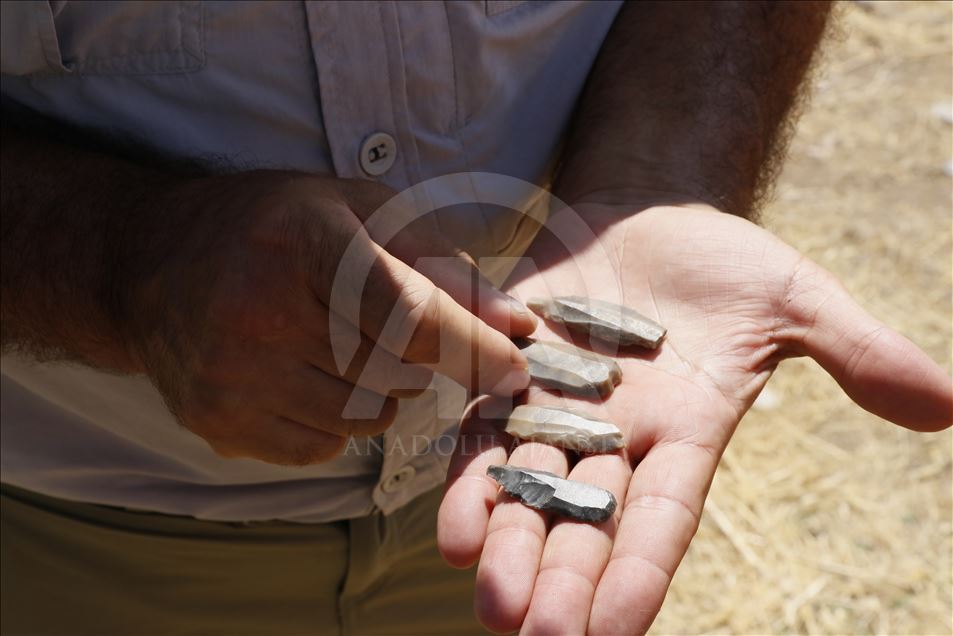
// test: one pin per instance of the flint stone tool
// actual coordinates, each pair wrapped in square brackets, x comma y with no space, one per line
[545,491]
[563,366]
[599,319]
[565,428]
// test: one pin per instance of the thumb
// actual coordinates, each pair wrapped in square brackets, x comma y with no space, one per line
[393,221]
[878,368]
[430,253]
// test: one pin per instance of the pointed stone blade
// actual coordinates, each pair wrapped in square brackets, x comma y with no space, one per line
[565,428]
[599,319]
[545,491]
[563,366]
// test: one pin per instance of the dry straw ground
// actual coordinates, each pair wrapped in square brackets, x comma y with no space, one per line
[824,519]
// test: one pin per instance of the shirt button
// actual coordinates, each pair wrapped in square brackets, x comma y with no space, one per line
[399,479]
[378,153]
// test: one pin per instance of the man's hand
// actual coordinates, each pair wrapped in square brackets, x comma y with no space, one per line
[220,289]
[236,326]
[736,301]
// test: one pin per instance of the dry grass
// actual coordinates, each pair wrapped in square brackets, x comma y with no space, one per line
[824,519]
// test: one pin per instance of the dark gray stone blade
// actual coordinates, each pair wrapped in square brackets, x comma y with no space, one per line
[565,428]
[545,491]
[560,365]
[599,319]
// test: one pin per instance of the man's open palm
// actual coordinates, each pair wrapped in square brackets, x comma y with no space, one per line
[735,301]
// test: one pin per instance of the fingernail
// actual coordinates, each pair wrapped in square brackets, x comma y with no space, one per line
[514,381]
[517,306]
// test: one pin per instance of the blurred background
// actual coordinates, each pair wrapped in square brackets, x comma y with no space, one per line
[824,519]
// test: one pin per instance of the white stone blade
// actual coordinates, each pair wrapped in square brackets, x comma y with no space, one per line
[565,428]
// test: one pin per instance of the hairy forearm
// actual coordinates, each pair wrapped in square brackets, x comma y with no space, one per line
[692,101]
[66,214]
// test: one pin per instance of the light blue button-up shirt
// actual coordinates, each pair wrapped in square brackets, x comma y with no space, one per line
[395,91]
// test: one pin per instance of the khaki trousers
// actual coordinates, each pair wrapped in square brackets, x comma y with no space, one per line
[71,568]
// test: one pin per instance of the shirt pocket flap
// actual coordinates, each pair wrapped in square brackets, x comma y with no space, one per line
[103,38]
[28,43]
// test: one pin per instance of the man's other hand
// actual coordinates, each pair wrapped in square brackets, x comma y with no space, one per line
[736,301]
[236,322]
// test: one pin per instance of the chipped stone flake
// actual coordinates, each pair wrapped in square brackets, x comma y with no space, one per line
[605,321]
[545,491]
[563,366]
[565,428]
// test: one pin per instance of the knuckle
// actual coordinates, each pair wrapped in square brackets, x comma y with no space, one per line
[420,325]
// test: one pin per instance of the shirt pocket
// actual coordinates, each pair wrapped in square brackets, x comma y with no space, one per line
[103,38]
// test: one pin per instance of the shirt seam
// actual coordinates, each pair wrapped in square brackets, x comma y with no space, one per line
[399,102]
[455,124]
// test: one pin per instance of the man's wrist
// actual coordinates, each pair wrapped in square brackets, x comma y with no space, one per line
[693,101]
[67,248]
[627,201]
[169,235]
[630,180]
[150,218]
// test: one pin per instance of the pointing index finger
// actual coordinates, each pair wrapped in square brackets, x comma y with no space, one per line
[405,313]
